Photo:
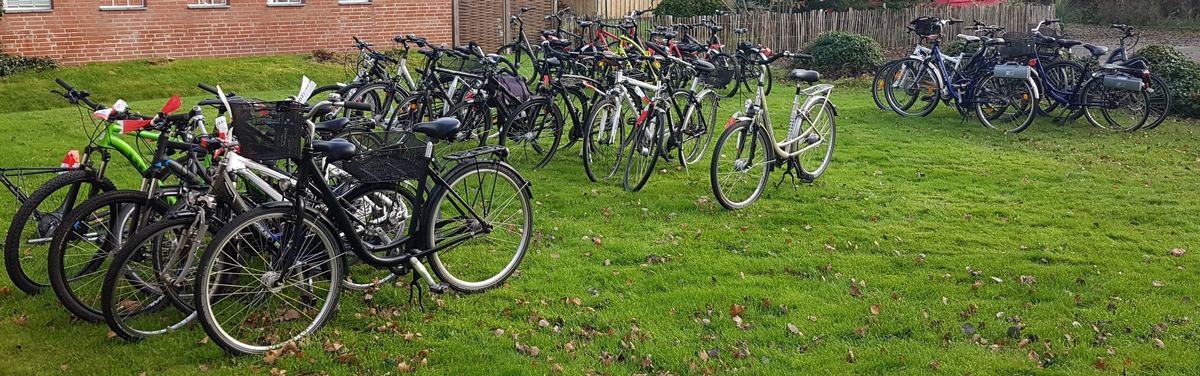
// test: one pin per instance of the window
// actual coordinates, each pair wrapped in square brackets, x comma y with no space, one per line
[208,4]
[123,5]
[353,2]
[15,6]
[285,3]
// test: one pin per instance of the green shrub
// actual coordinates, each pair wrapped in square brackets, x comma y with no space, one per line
[688,8]
[1182,77]
[10,65]
[841,54]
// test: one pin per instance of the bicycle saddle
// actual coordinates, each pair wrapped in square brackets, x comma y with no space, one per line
[993,41]
[1096,51]
[552,62]
[669,35]
[1067,43]
[337,149]
[546,33]
[690,47]
[704,66]
[968,38]
[440,129]
[739,31]
[332,126]
[805,75]
[585,24]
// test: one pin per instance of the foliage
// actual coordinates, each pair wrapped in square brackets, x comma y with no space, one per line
[1182,76]
[12,64]
[688,8]
[1134,12]
[790,6]
[839,54]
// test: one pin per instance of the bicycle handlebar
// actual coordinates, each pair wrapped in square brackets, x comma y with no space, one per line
[75,96]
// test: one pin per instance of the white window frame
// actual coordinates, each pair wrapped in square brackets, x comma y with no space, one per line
[125,5]
[285,3]
[354,2]
[208,4]
[30,6]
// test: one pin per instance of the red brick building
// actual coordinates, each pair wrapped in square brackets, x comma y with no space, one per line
[79,31]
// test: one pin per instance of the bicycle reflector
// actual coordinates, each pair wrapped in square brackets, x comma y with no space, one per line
[71,160]
[1146,78]
[1033,62]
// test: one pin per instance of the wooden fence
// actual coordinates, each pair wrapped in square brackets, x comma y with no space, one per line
[793,31]
[607,8]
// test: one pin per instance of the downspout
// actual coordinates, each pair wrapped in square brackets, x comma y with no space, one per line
[454,25]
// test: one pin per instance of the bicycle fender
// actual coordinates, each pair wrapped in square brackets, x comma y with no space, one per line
[737,119]
[1032,84]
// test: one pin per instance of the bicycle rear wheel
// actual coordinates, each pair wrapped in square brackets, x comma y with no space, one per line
[883,77]
[740,166]
[603,139]
[821,123]
[1114,109]
[384,211]
[26,245]
[726,66]
[697,124]
[533,133]
[484,218]
[1159,97]
[247,303]
[643,151]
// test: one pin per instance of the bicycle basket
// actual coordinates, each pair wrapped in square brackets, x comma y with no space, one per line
[722,76]
[386,157]
[1019,46]
[268,131]
[926,26]
[469,64]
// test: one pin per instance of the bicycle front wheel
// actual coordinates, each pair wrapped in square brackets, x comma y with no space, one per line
[533,133]
[1159,96]
[90,234]
[148,275]
[384,211]
[740,166]
[643,151]
[26,245]
[915,89]
[1005,104]
[603,138]
[481,221]
[246,301]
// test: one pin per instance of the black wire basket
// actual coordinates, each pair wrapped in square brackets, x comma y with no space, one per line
[1019,47]
[268,131]
[388,157]
[926,26]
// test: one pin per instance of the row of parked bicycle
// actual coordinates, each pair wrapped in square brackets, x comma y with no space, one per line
[1009,80]
[254,220]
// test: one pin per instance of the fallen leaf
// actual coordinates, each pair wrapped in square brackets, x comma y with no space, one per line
[792,328]
[850,356]
[1100,365]
[1158,343]
[1157,283]
[403,367]
[855,292]
[935,364]
[647,363]
[812,318]
[968,328]
[111,334]
[703,355]
[1177,252]
[736,310]
[63,368]
[202,368]
[556,368]
[875,310]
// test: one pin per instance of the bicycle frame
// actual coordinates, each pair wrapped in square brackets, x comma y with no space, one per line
[761,117]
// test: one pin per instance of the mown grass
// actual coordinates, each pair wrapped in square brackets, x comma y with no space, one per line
[1058,236]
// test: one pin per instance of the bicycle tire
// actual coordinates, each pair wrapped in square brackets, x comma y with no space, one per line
[385,99]
[385,221]
[1005,104]
[880,80]
[921,86]
[1062,76]
[603,138]
[22,264]
[729,168]
[135,297]
[223,260]
[645,148]
[1112,104]
[825,133]
[532,133]
[1159,102]
[723,61]
[78,289]
[697,124]
[504,186]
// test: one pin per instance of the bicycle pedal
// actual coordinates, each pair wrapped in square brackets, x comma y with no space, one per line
[440,288]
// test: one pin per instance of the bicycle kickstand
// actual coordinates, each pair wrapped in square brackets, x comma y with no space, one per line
[415,286]
[789,172]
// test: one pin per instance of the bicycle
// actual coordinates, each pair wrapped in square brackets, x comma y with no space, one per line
[747,150]
[614,135]
[891,71]
[154,268]
[42,210]
[520,45]
[1004,96]
[283,261]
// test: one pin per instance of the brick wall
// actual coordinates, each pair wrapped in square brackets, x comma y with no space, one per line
[484,21]
[78,32]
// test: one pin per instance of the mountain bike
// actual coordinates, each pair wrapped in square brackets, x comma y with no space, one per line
[272,274]
[81,177]
[747,150]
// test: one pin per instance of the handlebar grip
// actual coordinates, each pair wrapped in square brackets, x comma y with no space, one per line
[1053,20]
[207,88]
[178,118]
[362,106]
[802,56]
[64,84]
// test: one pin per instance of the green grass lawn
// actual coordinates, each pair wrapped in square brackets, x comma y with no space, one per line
[929,246]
